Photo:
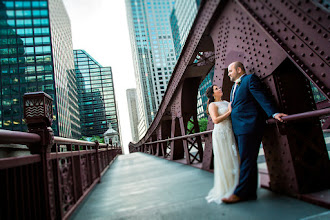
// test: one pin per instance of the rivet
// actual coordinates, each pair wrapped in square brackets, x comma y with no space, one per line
[323,75]
[316,48]
[294,46]
[303,55]
[311,54]
[293,37]
[319,31]
[322,64]
[301,45]
[322,52]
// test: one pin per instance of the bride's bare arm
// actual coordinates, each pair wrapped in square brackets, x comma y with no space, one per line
[216,118]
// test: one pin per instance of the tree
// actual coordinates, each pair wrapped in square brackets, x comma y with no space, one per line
[202,123]
[98,139]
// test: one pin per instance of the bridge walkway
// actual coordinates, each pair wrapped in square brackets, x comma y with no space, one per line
[141,186]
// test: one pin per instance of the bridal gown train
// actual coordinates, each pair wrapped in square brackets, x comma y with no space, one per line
[226,158]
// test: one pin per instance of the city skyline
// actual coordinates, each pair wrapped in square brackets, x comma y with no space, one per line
[107,40]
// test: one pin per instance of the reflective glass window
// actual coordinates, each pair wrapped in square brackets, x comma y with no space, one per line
[37,31]
[20,31]
[18,4]
[26,4]
[30,59]
[48,68]
[28,41]
[28,22]
[29,50]
[10,13]
[13,60]
[19,22]
[45,30]
[43,13]
[27,13]
[28,31]
[44,22]
[11,22]
[40,68]
[38,40]
[43,4]
[46,40]
[36,22]
[9,4]
[35,4]
[36,13]
[30,69]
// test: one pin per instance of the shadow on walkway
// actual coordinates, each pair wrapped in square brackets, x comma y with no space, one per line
[141,186]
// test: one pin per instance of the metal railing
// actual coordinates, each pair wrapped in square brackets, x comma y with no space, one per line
[67,176]
[50,183]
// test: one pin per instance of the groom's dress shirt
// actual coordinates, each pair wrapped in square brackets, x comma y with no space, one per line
[235,87]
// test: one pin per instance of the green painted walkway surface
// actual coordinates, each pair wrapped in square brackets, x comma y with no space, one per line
[141,186]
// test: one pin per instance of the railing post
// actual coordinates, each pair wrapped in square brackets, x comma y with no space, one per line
[98,167]
[38,115]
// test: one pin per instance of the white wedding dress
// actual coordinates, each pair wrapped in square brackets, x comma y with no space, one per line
[226,158]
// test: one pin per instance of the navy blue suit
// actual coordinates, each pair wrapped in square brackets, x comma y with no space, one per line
[250,109]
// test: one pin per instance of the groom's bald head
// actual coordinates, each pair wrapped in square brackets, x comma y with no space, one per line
[235,70]
[238,64]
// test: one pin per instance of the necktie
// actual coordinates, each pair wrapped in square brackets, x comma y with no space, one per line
[232,98]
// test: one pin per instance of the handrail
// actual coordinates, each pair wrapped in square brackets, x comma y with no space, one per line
[293,117]
[18,137]
[62,140]
[303,115]
[182,137]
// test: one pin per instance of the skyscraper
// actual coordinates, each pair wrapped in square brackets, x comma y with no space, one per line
[132,110]
[97,103]
[153,54]
[36,55]
[182,17]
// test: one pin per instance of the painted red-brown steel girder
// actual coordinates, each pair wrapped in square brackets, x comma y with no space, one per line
[269,39]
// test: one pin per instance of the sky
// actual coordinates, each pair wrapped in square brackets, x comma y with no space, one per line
[100,28]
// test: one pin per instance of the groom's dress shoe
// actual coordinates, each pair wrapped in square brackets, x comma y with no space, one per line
[232,199]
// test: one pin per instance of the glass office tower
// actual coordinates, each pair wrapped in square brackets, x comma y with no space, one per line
[97,101]
[36,55]
[153,54]
[182,18]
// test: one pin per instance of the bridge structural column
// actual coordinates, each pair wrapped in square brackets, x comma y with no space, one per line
[296,156]
[38,114]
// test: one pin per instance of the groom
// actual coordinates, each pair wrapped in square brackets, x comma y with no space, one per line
[250,105]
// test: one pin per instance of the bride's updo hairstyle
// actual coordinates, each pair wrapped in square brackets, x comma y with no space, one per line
[209,94]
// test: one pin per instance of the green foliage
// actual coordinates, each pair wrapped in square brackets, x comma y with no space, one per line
[202,125]
[97,138]
[83,138]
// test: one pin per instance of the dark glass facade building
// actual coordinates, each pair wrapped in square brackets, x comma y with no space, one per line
[97,101]
[36,55]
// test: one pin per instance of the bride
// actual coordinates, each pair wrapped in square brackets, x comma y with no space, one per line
[226,157]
